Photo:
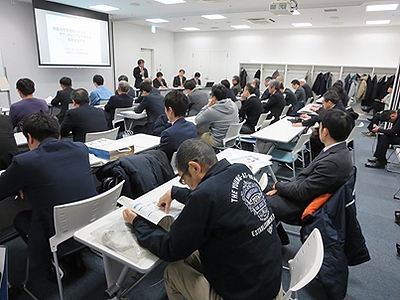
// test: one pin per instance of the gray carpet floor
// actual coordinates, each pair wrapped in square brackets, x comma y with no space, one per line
[376,279]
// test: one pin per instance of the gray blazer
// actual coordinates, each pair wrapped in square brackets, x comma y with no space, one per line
[197,99]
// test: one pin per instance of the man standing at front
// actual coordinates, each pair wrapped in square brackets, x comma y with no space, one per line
[227,219]
[140,73]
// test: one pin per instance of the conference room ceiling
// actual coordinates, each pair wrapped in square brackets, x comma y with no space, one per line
[320,13]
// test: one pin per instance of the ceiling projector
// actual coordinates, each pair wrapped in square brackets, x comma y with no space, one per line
[283,7]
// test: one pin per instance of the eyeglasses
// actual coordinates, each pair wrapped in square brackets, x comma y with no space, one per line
[181,180]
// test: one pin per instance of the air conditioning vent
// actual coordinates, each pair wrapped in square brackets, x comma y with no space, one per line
[261,21]
[330,10]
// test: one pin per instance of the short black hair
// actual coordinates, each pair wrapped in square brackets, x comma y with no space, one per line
[26,86]
[338,123]
[385,115]
[123,77]
[295,81]
[159,74]
[98,79]
[235,77]
[177,101]
[281,86]
[189,84]
[251,88]
[197,74]
[145,86]
[80,96]
[268,78]
[182,70]
[226,83]
[41,126]
[140,61]
[66,81]
[219,91]
[331,95]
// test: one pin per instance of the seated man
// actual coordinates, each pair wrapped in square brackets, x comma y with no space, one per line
[197,98]
[251,109]
[63,97]
[153,104]
[229,92]
[256,83]
[196,78]
[176,104]
[131,90]
[326,172]
[54,172]
[388,137]
[224,244]
[20,110]
[179,79]
[100,93]
[8,146]
[83,118]
[236,88]
[307,89]
[159,81]
[265,95]
[219,112]
[276,102]
[122,100]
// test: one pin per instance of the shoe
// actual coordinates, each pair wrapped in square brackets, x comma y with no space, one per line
[372,159]
[365,110]
[369,119]
[283,236]
[375,165]
[369,134]
[397,217]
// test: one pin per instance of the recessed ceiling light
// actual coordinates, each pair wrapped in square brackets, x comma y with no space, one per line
[171,1]
[214,17]
[302,24]
[190,28]
[157,20]
[241,26]
[381,7]
[377,22]
[296,13]
[104,7]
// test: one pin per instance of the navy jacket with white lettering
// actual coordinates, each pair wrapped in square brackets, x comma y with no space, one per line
[229,221]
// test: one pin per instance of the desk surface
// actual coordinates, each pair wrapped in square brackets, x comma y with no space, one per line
[146,263]
[130,114]
[281,131]
[307,109]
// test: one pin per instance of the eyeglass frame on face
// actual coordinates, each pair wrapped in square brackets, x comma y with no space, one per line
[181,180]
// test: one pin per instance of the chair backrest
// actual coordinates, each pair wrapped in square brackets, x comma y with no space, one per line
[306,263]
[303,139]
[353,133]
[266,123]
[233,133]
[284,111]
[309,100]
[117,116]
[108,134]
[238,104]
[260,121]
[70,217]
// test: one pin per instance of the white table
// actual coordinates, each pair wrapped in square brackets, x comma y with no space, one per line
[20,139]
[4,110]
[281,131]
[140,141]
[130,117]
[307,109]
[117,266]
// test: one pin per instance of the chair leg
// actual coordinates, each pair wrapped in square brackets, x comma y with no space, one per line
[59,275]
[25,283]
[294,168]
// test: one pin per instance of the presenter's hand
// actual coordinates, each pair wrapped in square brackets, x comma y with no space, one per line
[129,215]
[164,202]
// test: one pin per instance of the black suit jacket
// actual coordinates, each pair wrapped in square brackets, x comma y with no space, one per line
[251,110]
[82,120]
[177,82]
[157,84]
[117,101]
[56,172]
[8,146]
[154,106]
[138,77]
[325,174]
[62,99]
[275,105]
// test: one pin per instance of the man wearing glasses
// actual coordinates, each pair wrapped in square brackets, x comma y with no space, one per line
[225,234]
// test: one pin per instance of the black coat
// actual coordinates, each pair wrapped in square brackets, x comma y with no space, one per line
[62,100]
[138,77]
[117,101]
[8,146]
[275,105]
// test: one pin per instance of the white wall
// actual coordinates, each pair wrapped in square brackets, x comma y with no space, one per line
[370,47]
[18,45]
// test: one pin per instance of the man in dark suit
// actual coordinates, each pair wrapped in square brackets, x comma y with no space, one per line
[118,101]
[276,102]
[229,92]
[153,104]
[179,79]
[54,172]
[251,109]
[159,81]
[63,97]
[265,95]
[326,173]
[176,104]
[8,146]
[140,73]
[299,91]
[307,89]
[83,118]
[197,99]
[388,137]
[131,89]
